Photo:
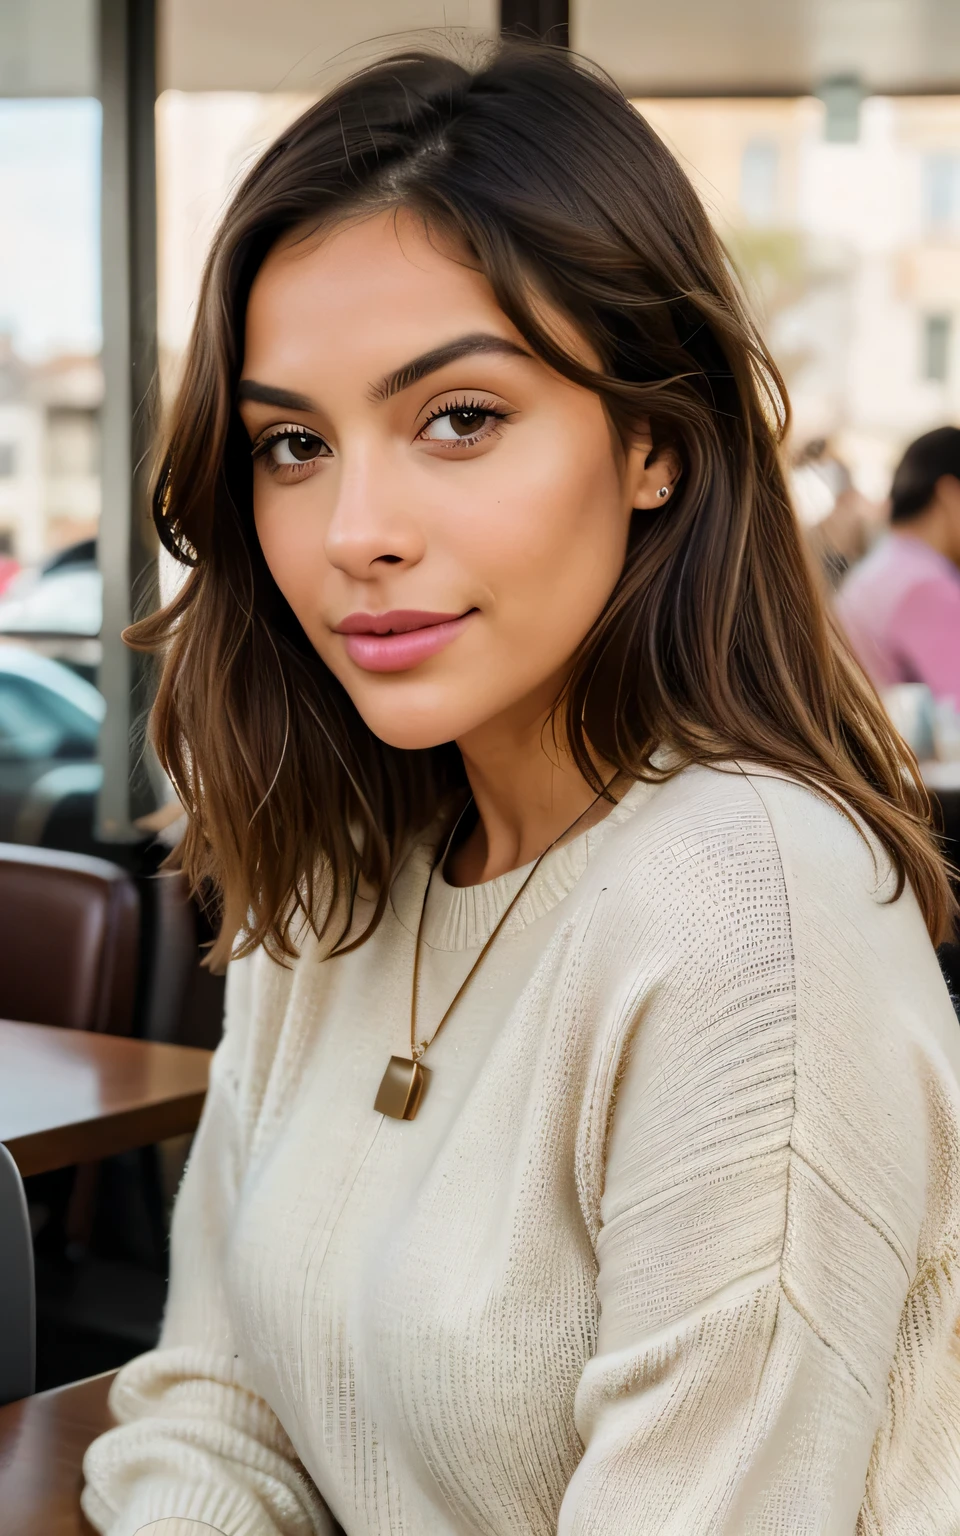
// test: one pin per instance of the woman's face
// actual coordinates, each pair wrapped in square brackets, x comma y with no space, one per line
[445,515]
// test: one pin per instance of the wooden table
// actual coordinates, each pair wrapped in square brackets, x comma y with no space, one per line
[67,1096]
[42,1444]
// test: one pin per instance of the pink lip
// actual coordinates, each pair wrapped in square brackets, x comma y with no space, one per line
[395,641]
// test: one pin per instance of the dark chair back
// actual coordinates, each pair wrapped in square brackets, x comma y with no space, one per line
[69,940]
[17,1295]
[169,958]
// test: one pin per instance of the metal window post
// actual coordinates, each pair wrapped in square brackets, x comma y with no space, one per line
[126,544]
[546,19]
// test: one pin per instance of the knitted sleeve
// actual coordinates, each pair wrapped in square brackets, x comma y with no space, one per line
[194,1440]
[755,1223]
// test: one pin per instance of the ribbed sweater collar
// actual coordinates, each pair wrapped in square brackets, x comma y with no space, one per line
[463,917]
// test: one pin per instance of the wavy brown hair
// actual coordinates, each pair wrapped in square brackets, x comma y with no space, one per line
[715,639]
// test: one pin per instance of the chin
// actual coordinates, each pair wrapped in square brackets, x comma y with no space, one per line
[413,729]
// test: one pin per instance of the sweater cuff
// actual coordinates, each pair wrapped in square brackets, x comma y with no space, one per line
[178,1527]
[229,1511]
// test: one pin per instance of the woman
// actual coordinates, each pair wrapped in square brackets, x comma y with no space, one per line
[509,725]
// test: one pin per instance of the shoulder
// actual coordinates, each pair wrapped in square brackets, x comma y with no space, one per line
[778,999]
[260,1009]
[255,998]
[740,842]
[840,886]
[697,861]
[932,595]
[769,912]
[696,912]
[737,881]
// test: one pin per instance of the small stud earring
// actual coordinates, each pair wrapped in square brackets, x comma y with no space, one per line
[663,491]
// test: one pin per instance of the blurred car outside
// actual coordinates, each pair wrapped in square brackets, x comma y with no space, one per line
[49,729]
[57,610]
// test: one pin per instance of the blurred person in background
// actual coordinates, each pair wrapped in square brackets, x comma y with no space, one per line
[837,519]
[900,607]
[9,566]
[581,1154]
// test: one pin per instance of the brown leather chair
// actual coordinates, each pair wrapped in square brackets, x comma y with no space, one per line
[69,940]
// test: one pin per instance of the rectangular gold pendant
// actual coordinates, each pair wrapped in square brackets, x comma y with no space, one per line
[402,1088]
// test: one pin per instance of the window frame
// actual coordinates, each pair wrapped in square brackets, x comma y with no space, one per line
[126,543]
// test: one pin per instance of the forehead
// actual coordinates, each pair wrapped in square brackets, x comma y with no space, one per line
[376,289]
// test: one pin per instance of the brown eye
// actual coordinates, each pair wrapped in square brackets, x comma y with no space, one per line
[459,424]
[295,448]
[465,422]
[291,452]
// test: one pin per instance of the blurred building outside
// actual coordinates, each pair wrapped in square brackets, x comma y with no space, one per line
[49,453]
[51,384]
[850,253]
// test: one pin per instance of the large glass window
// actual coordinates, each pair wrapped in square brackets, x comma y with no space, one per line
[941,193]
[51,391]
[759,181]
[50,378]
[205,141]
[850,253]
[936,347]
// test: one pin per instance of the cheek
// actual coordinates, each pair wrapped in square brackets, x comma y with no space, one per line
[291,538]
[554,535]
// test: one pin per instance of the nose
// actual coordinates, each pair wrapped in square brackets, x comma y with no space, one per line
[371,525]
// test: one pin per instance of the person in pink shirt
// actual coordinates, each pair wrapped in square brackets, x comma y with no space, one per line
[900,606]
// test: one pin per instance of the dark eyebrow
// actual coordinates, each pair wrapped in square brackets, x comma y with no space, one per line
[439,357]
[265,394]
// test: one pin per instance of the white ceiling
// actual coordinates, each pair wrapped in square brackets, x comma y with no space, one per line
[47,48]
[701,47]
[298,45]
[652,47]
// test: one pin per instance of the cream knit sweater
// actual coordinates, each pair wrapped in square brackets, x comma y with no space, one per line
[671,1248]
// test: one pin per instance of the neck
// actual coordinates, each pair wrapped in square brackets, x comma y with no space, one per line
[932,527]
[527,790]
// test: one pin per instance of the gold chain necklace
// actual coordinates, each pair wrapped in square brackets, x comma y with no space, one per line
[403,1083]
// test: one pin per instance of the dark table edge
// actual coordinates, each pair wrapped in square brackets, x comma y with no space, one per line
[87,1141]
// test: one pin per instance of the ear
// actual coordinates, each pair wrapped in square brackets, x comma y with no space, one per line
[651,473]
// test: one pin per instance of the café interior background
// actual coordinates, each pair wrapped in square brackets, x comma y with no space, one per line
[824,137]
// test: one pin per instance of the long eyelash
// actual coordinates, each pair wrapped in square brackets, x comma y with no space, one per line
[278,436]
[464,405]
[483,407]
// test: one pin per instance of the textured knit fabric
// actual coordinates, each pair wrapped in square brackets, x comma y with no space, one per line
[900,608]
[670,1249]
